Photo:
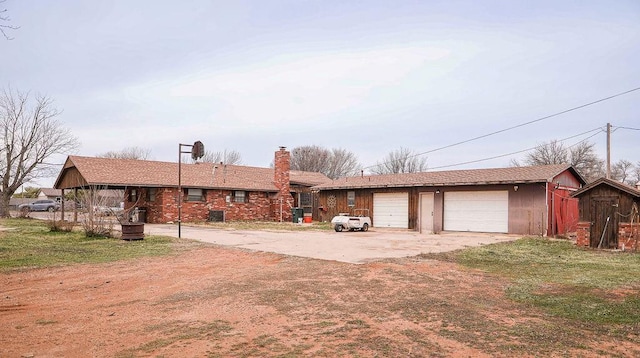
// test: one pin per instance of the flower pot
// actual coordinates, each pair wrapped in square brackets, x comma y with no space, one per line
[133,231]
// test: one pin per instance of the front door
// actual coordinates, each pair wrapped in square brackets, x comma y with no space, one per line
[426,213]
[604,230]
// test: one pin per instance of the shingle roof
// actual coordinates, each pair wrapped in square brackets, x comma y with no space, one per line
[532,174]
[616,184]
[307,178]
[51,191]
[130,172]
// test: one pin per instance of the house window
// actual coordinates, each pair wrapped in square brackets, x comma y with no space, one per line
[351,198]
[195,195]
[305,199]
[240,196]
[151,194]
[133,195]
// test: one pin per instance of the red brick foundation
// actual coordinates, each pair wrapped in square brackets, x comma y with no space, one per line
[583,235]
[628,236]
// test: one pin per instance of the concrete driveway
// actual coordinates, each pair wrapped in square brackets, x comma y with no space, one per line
[351,247]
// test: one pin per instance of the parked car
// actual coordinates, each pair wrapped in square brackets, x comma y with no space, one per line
[40,205]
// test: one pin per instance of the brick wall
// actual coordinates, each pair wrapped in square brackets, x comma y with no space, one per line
[628,236]
[283,202]
[165,207]
[583,235]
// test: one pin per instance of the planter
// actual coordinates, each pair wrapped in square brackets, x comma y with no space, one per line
[133,231]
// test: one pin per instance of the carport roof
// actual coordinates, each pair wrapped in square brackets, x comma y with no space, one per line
[513,175]
[81,171]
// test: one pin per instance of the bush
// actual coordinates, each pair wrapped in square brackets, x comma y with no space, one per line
[60,225]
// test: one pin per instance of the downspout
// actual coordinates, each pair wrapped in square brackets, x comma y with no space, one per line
[553,211]
[546,204]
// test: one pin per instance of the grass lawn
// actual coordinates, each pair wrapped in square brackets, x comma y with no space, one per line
[566,281]
[29,243]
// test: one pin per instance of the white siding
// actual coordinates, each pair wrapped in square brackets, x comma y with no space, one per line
[391,210]
[480,211]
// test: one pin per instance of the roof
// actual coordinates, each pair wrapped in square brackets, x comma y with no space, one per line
[51,191]
[130,172]
[512,175]
[613,183]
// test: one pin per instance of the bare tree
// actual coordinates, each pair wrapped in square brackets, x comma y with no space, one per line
[310,158]
[401,160]
[334,163]
[3,26]
[342,163]
[552,152]
[128,153]
[622,171]
[636,175]
[30,135]
[581,156]
[231,157]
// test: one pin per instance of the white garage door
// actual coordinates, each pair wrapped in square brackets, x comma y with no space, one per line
[481,211]
[391,210]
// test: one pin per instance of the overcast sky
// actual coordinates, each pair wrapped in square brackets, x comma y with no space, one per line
[367,76]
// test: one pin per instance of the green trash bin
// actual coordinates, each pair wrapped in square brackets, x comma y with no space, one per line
[297,214]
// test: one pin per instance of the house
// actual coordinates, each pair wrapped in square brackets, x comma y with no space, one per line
[50,193]
[608,213]
[210,192]
[519,200]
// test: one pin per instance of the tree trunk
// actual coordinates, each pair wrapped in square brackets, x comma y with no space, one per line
[4,205]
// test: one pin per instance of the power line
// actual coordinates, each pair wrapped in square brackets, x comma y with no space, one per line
[633,129]
[520,125]
[599,129]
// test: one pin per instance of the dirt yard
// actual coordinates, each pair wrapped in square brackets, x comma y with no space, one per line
[222,302]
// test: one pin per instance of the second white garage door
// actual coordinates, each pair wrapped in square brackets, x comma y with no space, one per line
[391,210]
[480,211]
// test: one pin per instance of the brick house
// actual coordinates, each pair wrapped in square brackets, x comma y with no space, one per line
[533,200]
[209,191]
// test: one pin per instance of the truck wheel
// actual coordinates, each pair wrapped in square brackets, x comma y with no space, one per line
[51,209]
[338,228]
[365,227]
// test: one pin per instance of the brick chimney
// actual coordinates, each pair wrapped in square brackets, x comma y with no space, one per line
[281,171]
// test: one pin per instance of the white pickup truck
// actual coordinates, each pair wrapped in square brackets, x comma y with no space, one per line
[360,221]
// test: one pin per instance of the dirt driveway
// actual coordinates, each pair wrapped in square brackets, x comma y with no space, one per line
[351,247]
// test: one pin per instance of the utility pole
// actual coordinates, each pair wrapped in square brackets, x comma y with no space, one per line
[608,150]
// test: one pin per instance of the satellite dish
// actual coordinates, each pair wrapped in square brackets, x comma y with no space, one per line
[197,151]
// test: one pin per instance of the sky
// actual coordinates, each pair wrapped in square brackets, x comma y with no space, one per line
[366,76]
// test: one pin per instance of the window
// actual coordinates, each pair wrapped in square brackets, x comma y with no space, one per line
[239,196]
[351,198]
[195,195]
[133,195]
[151,194]
[306,199]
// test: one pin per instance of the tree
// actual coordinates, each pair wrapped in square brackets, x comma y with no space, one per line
[231,157]
[30,135]
[128,153]
[342,163]
[622,171]
[581,156]
[552,152]
[3,26]
[401,160]
[334,163]
[28,192]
